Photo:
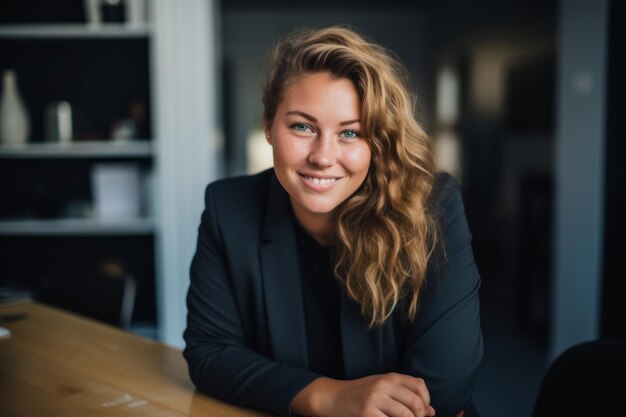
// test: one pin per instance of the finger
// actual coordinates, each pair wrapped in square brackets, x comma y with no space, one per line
[431,412]
[410,400]
[422,390]
[393,408]
[417,385]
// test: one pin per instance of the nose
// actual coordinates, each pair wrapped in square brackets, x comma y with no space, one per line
[324,151]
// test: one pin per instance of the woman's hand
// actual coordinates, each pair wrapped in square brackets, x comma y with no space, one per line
[388,395]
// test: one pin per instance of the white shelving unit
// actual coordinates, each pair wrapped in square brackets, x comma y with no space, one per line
[93,149]
[76,227]
[32,154]
[109,149]
[77,30]
[79,226]
[183,151]
[96,149]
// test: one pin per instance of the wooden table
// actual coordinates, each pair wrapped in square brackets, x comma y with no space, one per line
[59,364]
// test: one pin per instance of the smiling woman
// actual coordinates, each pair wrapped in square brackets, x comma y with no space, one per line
[341,282]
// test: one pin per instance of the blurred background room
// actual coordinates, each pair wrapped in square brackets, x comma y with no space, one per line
[115,114]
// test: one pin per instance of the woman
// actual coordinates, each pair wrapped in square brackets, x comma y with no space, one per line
[342,282]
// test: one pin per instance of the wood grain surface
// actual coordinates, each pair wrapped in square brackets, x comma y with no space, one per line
[56,363]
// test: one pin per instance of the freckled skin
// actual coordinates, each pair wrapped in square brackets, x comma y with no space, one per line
[315,133]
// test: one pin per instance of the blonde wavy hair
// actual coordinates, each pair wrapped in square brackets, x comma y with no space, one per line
[386,231]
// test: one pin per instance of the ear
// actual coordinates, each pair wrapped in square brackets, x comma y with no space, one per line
[268,137]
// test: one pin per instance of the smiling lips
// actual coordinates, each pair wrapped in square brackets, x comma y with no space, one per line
[319,184]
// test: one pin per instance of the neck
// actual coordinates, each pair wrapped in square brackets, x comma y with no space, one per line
[320,226]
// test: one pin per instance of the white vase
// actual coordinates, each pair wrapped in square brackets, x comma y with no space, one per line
[14,120]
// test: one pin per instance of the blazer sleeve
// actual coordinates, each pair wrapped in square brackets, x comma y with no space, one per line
[220,360]
[444,345]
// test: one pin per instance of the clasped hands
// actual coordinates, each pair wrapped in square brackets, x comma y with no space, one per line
[387,395]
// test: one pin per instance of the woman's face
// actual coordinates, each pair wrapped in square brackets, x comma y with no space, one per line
[320,157]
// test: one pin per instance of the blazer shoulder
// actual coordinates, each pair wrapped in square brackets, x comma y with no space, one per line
[446,198]
[240,190]
[237,205]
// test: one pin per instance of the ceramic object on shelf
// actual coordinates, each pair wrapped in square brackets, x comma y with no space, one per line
[14,120]
[58,123]
[135,12]
[92,12]
[116,190]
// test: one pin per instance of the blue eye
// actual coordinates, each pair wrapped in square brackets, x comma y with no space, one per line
[350,134]
[300,127]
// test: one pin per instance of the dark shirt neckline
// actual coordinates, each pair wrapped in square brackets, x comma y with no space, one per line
[322,305]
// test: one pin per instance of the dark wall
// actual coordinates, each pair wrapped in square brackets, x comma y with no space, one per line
[613,323]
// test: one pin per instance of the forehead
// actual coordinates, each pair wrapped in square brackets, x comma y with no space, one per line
[321,92]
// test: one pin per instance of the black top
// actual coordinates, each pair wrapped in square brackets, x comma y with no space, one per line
[321,295]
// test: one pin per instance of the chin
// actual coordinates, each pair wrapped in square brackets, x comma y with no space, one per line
[318,207]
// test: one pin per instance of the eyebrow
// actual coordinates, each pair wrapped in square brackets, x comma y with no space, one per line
[314,120]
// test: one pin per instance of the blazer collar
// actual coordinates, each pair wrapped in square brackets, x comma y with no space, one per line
[278,221]
[362,347]
[280,270]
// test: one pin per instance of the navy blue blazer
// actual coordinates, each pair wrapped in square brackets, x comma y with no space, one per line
[246,340]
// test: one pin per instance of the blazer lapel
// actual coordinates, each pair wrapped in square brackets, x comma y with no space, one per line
[362,348]
[281,280]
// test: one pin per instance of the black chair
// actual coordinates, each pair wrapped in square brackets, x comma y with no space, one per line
[588,379]
[107,294]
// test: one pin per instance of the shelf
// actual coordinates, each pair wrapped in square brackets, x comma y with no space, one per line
[76,227]
[75,30]
[94,149]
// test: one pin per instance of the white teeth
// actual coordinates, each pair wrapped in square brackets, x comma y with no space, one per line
[320,181]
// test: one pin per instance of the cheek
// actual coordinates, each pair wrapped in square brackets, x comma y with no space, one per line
[288,151]
[358,160]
